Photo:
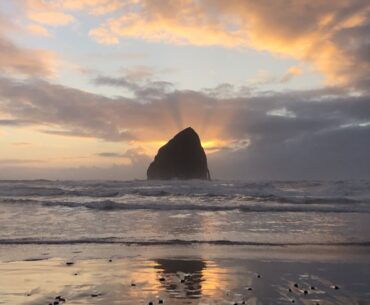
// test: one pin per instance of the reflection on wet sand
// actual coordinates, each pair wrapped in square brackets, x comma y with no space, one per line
[181,278]
[177,281]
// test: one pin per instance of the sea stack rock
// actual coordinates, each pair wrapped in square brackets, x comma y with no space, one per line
[183,157]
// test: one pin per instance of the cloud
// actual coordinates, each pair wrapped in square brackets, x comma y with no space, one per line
[186,24]
[317,32]
[331,35]
[103,36]
[52,18]
[47,13]
[15,162]
[38,30]
[15,59]
[314,133]
[139,82]
[290,74]
[110,155]
[58,13]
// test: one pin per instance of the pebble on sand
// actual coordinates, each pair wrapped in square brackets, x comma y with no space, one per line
[94,295]
[60,299]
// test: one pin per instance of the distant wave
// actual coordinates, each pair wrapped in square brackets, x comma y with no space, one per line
[106,205]
[24,241]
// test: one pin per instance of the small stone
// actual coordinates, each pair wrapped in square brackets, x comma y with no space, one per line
[162,279]
[133,285]
[160,301]
[150,303]
[94,295]
[182,281]
[293,301]
[259,276]
[250,288]
[296,285]
[110,260]
[305,292]
[70,263]
[290,289]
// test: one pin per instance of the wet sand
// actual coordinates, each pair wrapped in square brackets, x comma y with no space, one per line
[90,274]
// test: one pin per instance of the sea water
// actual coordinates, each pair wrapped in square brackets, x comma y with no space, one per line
[185,212]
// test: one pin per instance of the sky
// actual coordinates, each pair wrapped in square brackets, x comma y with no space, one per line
[276,89]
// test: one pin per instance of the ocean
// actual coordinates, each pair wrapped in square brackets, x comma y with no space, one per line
[171,212]
[185,242]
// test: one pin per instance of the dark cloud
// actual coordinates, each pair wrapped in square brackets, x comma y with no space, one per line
[14,123]
[314,134]
[15,162]
[141,88]
[110,155]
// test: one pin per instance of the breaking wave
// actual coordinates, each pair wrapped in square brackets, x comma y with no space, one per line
[24,241]
[324,206]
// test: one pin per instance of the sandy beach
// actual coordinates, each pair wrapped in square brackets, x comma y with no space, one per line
[193,274]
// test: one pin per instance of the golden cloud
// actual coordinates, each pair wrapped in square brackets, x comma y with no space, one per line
[38,30]
[305,30]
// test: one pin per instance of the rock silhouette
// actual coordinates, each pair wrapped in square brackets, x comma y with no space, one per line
[183,157]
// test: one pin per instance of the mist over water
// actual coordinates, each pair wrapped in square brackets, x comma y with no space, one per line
[266,213]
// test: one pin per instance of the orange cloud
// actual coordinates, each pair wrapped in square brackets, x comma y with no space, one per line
[38,30]
[184,26]
[305,30]
[58,13]
[17,60]
[48,13]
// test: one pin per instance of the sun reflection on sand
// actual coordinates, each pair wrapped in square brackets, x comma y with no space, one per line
[178,280]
